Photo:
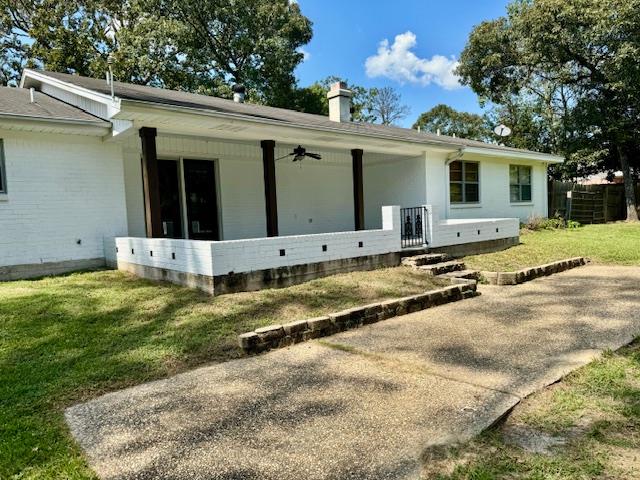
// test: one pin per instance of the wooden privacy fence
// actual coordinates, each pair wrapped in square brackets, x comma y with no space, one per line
[587,203]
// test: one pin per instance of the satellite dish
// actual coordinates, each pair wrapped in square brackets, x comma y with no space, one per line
[502,130]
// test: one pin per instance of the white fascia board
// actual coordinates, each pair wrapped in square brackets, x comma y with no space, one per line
[136,106]
[82,127]
[509,154]
[30,76]
[130,106]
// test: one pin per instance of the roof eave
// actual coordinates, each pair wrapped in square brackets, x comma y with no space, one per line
[266,121]
[512,154]
[97,128]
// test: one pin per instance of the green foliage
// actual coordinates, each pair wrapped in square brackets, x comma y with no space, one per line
[200,46]
[313,99]
[451,122]
[574,66]
[535,222]
[253,42]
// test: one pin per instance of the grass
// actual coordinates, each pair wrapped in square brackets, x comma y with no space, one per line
[595,411]
[67,339]
[613,243]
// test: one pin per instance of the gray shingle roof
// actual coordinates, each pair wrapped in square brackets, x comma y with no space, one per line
[160,96]
[17,102]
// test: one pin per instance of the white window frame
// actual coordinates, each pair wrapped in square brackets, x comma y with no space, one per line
[3,171]
[464,203]
[520,201]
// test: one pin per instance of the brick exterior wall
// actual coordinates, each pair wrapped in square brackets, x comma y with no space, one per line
[65,194]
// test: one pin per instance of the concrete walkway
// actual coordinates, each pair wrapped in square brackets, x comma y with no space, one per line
[364,404]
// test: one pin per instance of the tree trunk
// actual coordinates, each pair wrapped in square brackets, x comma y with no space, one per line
[629,187]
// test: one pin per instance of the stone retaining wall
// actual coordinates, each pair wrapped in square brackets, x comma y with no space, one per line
[528,274]
[277,336]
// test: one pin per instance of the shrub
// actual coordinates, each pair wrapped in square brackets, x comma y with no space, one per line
[536,222]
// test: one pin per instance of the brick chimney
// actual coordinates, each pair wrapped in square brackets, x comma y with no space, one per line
[339,102]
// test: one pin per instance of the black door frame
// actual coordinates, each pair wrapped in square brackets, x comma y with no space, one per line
[214,197]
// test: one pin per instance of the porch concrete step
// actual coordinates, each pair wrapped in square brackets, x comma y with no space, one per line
[426,259]
[466,274]
[442,268]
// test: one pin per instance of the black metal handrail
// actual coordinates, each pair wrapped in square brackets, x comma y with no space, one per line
[414,227]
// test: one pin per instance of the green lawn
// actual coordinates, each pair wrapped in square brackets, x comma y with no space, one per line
[66,339]
[594,412]
[615,243]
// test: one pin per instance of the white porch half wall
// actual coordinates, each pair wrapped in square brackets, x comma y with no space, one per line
[210,258]
[451,232]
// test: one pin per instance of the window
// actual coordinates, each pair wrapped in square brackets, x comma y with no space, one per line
[3,172]
[464,182]
[519,183]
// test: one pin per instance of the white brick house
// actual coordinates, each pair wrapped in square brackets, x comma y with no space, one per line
[199,189]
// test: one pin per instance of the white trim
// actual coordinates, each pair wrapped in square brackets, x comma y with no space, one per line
[461,206]
[116,104]
[79,127]
[512,154]
[531,183]
[70,87]
[4,188]
[138,106]
[182,199]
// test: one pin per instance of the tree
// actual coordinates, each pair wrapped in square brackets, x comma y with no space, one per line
[313,99]
[253,42]
[78,36]
[448,121]
[371,105]
[188,45]
[578,58]
[384,104]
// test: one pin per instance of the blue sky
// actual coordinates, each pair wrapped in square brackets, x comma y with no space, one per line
[430,36]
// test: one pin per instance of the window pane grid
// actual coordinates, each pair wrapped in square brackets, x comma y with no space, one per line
[519,183]
[464,182]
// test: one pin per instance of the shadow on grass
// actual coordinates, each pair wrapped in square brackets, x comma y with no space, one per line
[70,338]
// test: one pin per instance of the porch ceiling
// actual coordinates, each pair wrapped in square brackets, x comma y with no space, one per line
[169,123]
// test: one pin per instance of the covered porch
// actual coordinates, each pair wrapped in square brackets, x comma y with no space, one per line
[215,189]
[237,213]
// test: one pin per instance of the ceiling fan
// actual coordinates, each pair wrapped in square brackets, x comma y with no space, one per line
[299,153]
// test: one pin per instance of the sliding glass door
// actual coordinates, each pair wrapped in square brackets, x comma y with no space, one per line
[169,180]
[201,199]
[194,198]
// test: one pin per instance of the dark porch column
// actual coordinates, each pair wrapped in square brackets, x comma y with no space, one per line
[151,183]
[358,189]
[270,198]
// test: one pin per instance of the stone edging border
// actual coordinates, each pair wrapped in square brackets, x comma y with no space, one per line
[528,274]
[278,336]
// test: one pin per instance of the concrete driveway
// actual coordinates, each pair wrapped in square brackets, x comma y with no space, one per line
[364,404]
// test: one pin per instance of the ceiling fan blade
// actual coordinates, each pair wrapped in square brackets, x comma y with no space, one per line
[317,156]
[285,156]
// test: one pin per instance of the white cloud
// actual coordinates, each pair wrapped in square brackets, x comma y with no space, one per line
[305,54]
[399,63]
